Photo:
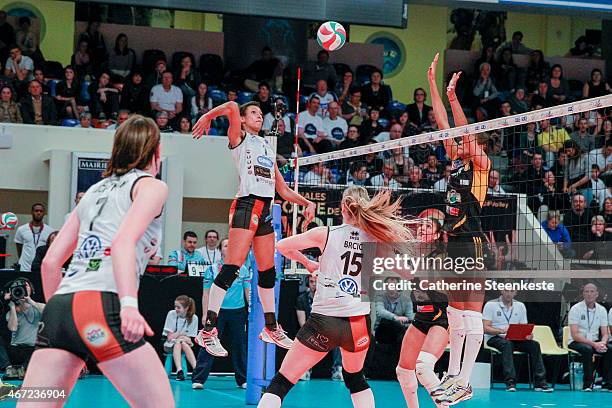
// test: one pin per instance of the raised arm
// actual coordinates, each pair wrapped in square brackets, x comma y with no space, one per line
[290,247]
[229,109]
[439,110]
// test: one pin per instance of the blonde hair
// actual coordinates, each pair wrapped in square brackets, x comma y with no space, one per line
[378,217]
[598,219]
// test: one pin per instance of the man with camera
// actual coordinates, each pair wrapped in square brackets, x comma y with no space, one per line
[23,318]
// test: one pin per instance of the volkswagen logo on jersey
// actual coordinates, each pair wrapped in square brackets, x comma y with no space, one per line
[348,285]
[89,248]
[265,161]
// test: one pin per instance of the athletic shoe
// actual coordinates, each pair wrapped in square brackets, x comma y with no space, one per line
[197,386]
[180,375]
[587,388]
[277,336]
[447,382]
[456,394]
[210,341]
[606,387]
[510,387]
[306,376]
[243,386]
[543,388]
[5,389]
[337,374]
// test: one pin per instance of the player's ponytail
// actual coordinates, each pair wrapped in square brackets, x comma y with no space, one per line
[189,305]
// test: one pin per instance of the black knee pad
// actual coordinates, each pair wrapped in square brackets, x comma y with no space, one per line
[355,382]
[267,278]
[280,386]
[227,276]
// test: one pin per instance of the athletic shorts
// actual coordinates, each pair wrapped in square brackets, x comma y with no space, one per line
[86,324]
[324,333]
[423,324]
[252,213]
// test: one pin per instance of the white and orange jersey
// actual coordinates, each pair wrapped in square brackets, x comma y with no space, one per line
[254,158]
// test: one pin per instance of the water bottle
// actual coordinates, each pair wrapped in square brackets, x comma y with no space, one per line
[578,375]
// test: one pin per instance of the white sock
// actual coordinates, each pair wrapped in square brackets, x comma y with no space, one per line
[363,399]
[269,401]
[409,385]
[215,300]
[473,340]
[457,337]
[266,297]
[425,372]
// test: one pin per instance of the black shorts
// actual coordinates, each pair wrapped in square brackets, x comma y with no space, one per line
[324,333]
[86,324]
[252,213]
[423,324]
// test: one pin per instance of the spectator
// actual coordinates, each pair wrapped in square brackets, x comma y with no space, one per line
[516,46]
[7,35]
[373,161]
[77,199]
[232,318]
[180,327]
[166,97]
[487,55]
[41,251]
[37,108]
[543,98]
[135,95]
[393,315]
[557,233]
[30,236]
[528,144]
[97,46]
[285,144]
[201,102]
[420,154]
[597,190]
[485,92]
[604,134]
[433,171]
[311,129]
[588,322]
[387,177]
[551,140]
[370,127]
[9,110]
[263,98]
[415,178]
[583,138]
[210,252]
[408,128]
[40,77]
[23,318]
[184,125]
[269,118]
[353,110]
[600,241]
[121,59]
[81,60]
[321,69]
[518,102]
[581,49]
[602,157]
[84,120]
[325,98]
[577,170]
[558,89]
[319,175]
[161,118]
[497,316]
[376,94]
[156,77]
[578,219]
[68,95]
[440,185]
[122,116]
[188,79]
[25,38]
[181,258]
[551,198]
[505,71]
[537,70]
[104,99]
[430,124]
[352,138]
[335,127]
[607,213]
[19,67]
[495,187]
[596,86]
[266,69]
[357,175]
[343,89]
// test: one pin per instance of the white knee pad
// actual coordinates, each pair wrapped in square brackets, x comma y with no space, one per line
[407,379]
[473,322]
[456,322]
[425,370]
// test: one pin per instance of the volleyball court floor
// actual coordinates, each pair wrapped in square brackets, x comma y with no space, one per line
[221,392]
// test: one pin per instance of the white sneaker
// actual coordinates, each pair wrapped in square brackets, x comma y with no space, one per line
[277,336]
[455,394]
[210,341]
[243,386]
[197,386]
[447,382]
[337,374]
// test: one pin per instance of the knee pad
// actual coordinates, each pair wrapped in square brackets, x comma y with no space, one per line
[407,379]
[227,276]
[425,370]
[355,382]
[279,386]
[267,278]
[456,323]
[472,322]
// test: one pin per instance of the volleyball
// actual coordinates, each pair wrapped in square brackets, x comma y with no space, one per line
[331,35]
[8,220]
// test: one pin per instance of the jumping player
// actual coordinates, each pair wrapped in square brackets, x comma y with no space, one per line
[93,311]
[249,218]
[339,317]
[465,195]
[427,336]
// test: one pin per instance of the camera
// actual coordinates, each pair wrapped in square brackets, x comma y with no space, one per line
[17,288]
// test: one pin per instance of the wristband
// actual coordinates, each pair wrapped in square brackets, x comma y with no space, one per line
[128,301]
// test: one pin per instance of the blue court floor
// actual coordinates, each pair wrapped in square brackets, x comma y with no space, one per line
[219,392]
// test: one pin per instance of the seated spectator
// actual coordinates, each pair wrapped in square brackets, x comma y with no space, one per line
[325,98]
[343,89]
[604,134]
[558,89]
[180,327]
[68,95]
[135,95]
[357,174]
[600,241]
[578,219]
[607,213]
[84,120]
[156,77]
[200,102]
[432,171]
[602,157]
[19,68]
[221,124]
[184,125]
[518,102]
[484,91]
[97,46]
[81,60]
[376,94]
[285,144]
[430,125]
[269,118]
[386,178]
[40,77]
[166,97]
[266,69]
[23,318]
[589,334]
[537,71]
[352,139]
[577,170]
[163,123]
[486,55]
[551,199]
[596,86]
[497,316]
[370,127]
[420,154]
[121,59]
[104,99]
[515,45]
[373,161]
[440,185]
[581,49]
[505,71]
[557,233]
[263,98]
[10,111]
[187,79]
[335,127]
[353,110]
[321,69]
[418,110]
[415,178]
[181,258]
[408,128]
[543,98]
[528,144]
[494,184]
[122,116]
[319,175]
[394,312]
[597,190]
[311,129]
[211,251]
[551,140]
[37,108]
[583,137]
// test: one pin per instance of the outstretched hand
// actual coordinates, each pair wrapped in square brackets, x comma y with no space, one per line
[431,72]
[201,127]
[452,86]
[309,214]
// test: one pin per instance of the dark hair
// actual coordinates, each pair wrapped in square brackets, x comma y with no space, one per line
[189,304]
[572,144]
[596,70]
[556,66]
[220,246]
[189,234]
[322,52]
[209,231]
[25,19]
[356,165]
[167,72]
[263,83]
[266,48]
[117,50]
[417,90]
[245,106]
[9,88]
[38,204]
[514,34]
[375,70]
[609,143]
[13,46]
[595,167]
[354,90]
